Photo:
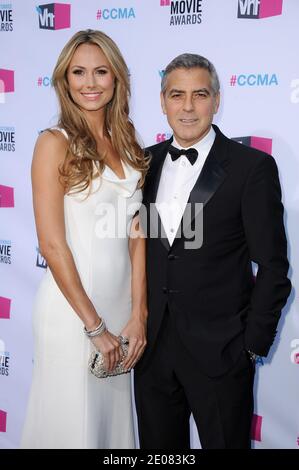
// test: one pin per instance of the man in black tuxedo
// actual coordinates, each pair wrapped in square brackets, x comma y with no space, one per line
[208,317]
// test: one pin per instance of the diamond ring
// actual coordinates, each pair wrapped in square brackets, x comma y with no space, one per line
[123,339]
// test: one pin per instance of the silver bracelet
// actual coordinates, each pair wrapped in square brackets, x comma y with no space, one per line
[98,331]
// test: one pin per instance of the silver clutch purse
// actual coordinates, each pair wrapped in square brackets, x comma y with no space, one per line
[96,362]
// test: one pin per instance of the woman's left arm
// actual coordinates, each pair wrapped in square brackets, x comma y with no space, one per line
[135,330]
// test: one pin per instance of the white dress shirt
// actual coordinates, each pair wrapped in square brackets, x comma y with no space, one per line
[177,180]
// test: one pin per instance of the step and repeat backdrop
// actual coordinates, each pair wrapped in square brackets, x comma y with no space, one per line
[254,46]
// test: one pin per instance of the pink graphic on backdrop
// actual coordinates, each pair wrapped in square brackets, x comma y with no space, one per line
[6,196]
[5,307]
[164,3]
[62,14]
[3,416]
[161,137]
[262,143]
[2,95]
[270,8]
[7,83]
[256,428]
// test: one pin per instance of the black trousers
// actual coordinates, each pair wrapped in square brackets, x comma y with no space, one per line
[170,387]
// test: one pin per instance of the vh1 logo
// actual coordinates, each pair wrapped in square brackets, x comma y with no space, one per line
[256,9]
[54,16]
[40,260]
[259,143]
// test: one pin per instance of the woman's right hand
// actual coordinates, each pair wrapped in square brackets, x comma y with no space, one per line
[108,344]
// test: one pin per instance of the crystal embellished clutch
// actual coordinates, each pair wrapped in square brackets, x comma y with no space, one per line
[96,362]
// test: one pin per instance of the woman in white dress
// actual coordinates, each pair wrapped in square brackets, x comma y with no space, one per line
[86,178]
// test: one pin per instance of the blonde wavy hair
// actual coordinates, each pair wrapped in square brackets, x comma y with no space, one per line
[77,170]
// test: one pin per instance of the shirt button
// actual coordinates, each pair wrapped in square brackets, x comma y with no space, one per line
[172,230]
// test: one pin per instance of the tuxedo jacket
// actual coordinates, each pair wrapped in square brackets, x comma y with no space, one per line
[219,307]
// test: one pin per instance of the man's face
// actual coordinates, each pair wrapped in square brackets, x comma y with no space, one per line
[189,103]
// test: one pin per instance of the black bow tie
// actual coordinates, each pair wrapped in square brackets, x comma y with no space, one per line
[191,154]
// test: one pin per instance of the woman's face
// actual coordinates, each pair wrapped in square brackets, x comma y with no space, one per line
[91,80]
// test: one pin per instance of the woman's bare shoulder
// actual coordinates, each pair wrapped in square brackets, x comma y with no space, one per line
[51,143]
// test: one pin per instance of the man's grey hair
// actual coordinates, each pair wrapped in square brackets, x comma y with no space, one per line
[190,61]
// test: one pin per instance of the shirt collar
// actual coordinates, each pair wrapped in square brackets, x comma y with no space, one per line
[203,146]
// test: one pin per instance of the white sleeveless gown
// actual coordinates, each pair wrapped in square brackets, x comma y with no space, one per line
[68,407]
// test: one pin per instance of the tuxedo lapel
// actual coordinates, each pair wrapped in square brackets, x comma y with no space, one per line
[209,180]
[155,222]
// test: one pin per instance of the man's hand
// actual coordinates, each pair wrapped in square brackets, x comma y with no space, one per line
[135,332]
